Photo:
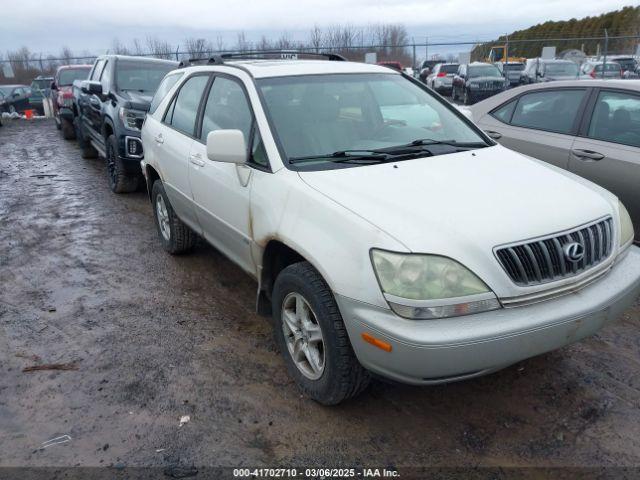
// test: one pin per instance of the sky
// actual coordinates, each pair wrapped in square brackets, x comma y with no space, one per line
[91,26]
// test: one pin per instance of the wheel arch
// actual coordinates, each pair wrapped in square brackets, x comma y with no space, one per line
[150,176]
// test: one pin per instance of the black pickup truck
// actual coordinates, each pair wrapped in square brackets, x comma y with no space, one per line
[111,105]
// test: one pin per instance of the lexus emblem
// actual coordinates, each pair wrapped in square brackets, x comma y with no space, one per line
[573,251]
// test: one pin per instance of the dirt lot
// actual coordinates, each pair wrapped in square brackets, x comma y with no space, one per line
[83,280]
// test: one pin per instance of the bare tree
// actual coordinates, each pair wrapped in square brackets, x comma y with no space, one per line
[160,48]
[316,38]
[118,48]
[198,47]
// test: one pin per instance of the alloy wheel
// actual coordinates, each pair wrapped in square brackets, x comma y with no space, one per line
[303,336]
[163,218]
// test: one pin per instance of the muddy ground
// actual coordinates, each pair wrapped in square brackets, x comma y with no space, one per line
[83,280]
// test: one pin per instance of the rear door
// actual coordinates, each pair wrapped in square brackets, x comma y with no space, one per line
[607,151]
[173,144]
[541,123]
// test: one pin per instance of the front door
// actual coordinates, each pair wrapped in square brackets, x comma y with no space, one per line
[221,191]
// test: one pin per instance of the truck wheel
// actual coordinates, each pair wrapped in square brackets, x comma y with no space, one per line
[175,236]
[86,149]
[312,337]
[119,180]
[68,132]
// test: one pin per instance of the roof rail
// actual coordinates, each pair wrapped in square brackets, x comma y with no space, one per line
[282,55]
[219,59]
[212,60]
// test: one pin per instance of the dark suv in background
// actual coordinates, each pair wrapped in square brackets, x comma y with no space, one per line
[62,96]
[477,81]
[111,106]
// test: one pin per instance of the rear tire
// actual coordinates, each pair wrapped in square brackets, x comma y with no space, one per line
[68,132]
[329,373]
[86,149]
[119,180]
[174,235]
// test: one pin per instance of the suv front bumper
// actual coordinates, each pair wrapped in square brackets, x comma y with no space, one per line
[437,351]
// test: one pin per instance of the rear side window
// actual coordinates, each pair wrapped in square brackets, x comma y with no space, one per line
[184,109]
[553,111]
[164,87]
[616,118]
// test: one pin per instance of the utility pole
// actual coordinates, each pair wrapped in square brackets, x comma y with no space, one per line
[506,49]
[606,50]
[413,40]
[426,48]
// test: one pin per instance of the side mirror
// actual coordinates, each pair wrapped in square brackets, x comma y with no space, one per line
[227,146]
[92,87]
[54,86]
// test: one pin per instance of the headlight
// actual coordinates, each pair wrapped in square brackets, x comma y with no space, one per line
[430,286]
[132,119]
[626,226]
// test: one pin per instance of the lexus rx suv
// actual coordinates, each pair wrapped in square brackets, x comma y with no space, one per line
[386,232]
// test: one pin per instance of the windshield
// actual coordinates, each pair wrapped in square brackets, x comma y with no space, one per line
[41,84]
[566,69]
[6,90]
[141,77]
[626,63]
[322,114]
[610,67]
[69,75]
[484,71]
[449,68]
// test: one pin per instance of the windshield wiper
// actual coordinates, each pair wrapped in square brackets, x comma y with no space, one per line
[430,141]
[345,156]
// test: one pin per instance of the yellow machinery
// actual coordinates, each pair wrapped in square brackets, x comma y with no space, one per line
[498,53]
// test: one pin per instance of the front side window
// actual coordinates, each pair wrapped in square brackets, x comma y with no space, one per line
[140,77]
[554,111]
[616,118]
[226,108]
[323,114]
[97,70]
[505,112]
[167,83]
[184,109]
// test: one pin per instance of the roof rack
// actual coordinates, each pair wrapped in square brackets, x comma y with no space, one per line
[219,59]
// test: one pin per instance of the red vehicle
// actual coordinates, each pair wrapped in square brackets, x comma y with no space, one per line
[394,65]
[62,96]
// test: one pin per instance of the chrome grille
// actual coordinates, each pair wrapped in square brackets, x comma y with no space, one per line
[544,260]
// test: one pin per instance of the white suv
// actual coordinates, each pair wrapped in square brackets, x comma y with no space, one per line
[386,232]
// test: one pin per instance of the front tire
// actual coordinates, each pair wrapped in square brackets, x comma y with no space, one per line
[119,180]
[175,236]
[312,337]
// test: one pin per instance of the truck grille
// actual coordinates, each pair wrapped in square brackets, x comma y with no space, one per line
[490,85]
[545,260]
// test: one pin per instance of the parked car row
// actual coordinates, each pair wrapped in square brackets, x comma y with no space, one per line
[275,164]
[387,233]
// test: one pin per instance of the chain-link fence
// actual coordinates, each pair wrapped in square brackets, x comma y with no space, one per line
[22,66]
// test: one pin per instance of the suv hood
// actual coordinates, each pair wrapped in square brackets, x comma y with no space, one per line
[136,100]
[462,205]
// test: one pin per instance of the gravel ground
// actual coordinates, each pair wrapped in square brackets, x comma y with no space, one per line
[83,280]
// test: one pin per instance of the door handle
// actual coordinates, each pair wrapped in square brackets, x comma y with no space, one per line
[159,138]
[493,134]
[196,159]
[587,154]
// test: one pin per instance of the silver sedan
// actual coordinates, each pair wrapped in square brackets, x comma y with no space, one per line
[589,127]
